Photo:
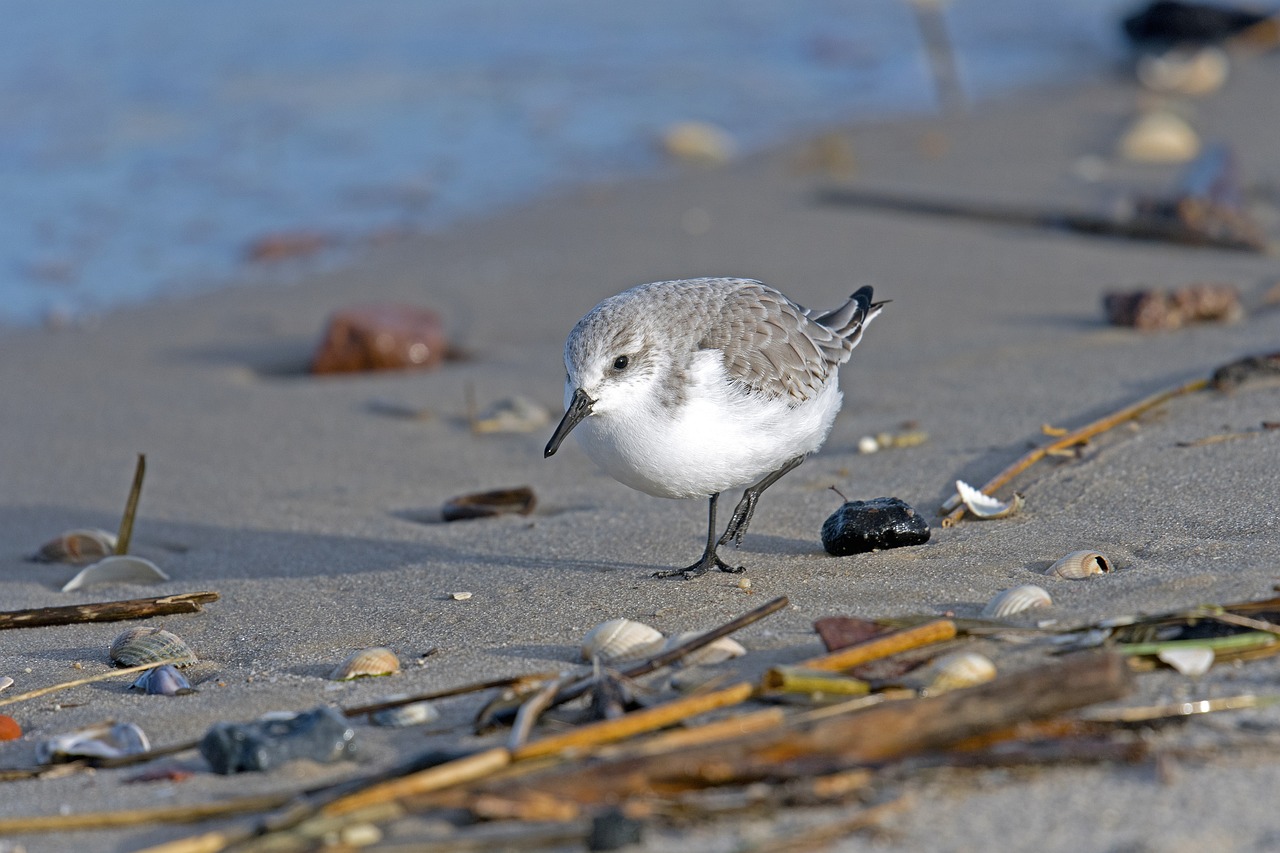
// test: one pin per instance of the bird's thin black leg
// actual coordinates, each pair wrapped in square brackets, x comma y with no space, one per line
[709,558]
[747,506]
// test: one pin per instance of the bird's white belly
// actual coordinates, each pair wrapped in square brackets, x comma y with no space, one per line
[717,440]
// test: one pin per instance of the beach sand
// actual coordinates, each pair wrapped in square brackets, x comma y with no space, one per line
[315,515]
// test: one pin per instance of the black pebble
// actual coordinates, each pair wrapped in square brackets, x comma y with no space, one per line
[611,830]
[874,525]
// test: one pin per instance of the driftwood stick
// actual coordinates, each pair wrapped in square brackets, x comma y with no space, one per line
[107,611]
[142,817]
[104,676]
[937,631]
[465,769]
[461,690]
[131,506]
[956,509]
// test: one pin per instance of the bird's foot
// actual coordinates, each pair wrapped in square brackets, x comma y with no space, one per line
[708,562]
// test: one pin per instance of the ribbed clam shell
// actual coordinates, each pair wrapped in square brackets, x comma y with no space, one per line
[1016,600]
[957,670]
[163,681]
[140,645]
[621,640]
[78,546]
[367,663]
[1080,564]
[723,649]
[109,740]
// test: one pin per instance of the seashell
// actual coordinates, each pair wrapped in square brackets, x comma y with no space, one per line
[1016,600]
[512,414]
[78,546]
[698,142]
[620,640]
[723,649]
[1191,661]
[1159,137]
[1184,70]
[5,682]
[412,714]
[868,444]
[163,681]
[140,645]
[483,504]
[120,569]
[10,729]
[983,505]
[1079,565]
[367,663]
[108,740]
[957,670]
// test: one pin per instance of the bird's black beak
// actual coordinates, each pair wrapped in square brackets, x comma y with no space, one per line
[579,409]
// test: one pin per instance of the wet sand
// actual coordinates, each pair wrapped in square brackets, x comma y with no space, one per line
[315,515]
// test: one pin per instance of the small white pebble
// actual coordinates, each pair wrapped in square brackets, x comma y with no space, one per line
[868,444]
[461,596]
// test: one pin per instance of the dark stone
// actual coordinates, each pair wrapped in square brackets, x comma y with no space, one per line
[1170,22]
[320,735]
[381,337]
[611,830]
[874,525]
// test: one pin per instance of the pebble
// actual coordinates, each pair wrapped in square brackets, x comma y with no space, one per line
[874,525]
[381,337]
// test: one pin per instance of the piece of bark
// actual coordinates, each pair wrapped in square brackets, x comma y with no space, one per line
[107,611]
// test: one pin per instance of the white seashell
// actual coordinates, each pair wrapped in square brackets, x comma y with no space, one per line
[957,670]
[5,682]
[460,596]
[367,663]
[1184,70]
[1193,662]
[868,444]
[140,645]
[121,569]
[1079,565]
[620,640]
[698,142]
[78,546]
[1016,600]
[163,681]
[109,740]
[412,714]
[983,505]
[513,414]
[723,649]
[1159,137]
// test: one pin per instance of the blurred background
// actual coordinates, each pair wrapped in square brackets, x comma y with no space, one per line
[152,148]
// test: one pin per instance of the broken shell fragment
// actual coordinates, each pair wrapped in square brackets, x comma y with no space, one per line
[957,670]
[1016,600]
[1159,137]
[1184,70]
[723,649]
[142,645]
[411,714]
[1079,565]
[983,505]
[512,414]
[621,640]
[484,504]
[367,663]
[108,740]
[77,546]
[1191,661]
[163,681]
[117,569]
[5,682]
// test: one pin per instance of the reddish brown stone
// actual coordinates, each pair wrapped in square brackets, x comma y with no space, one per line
[381,337]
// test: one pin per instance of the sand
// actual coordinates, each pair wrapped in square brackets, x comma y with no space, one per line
[315,515]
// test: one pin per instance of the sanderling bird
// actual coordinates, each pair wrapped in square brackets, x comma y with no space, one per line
[686,389]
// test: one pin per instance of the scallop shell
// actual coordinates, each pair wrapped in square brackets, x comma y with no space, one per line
[1079,565]
[367,663]
[1016,600]
[109,740]
[957,670]
[621,640]
[78,546]
[1160,137]
[723,649]
[983,505]
[117,569]
[163,681]
[140,645]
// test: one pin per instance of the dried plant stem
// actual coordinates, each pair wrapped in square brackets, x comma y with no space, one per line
[131,506]
[937,631]
[822,837]
[465,769]
[139,817]
[636,722]
[956,509]
[107,611]
[529,712]
[104,676]
[461,690]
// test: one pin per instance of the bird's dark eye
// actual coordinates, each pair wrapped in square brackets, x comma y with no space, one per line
[621,362]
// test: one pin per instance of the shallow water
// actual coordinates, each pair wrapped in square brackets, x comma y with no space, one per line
[144,146]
